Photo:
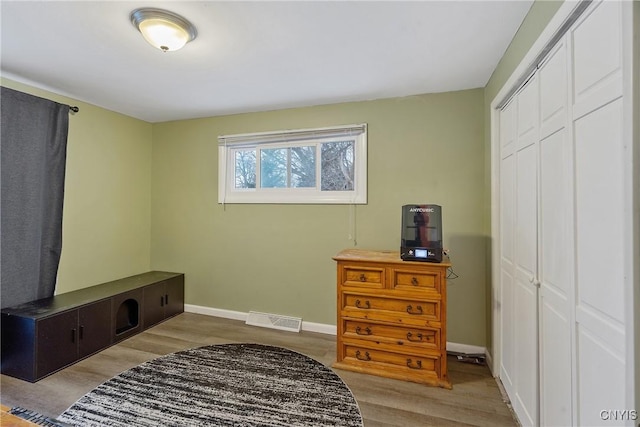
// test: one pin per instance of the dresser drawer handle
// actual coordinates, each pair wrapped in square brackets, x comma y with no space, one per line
[411,311]
[366,356]
[417,365]
[367,304]
[367,331]
[363,278]
[410,337]
[414,281]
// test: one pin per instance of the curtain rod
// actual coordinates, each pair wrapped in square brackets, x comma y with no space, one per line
[73,108]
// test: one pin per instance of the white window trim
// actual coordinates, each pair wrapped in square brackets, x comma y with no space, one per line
[227,193]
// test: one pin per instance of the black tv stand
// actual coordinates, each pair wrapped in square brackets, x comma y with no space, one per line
[44,336]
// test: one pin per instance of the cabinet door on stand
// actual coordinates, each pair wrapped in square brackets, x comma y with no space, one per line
[154,302]
[57,342]
[174,296]
[94,327]
[163,300]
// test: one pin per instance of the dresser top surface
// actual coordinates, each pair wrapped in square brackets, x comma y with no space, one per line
[368,255]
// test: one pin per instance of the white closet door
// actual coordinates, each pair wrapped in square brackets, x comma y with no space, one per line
[518,249]
[525,296]
[555,250]
[600,238]
[566,229]
[507,237]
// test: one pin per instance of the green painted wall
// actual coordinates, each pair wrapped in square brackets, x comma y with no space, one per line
[277,258]
[106,216]
[534,23]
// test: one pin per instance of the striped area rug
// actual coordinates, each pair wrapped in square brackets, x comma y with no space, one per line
[221,385]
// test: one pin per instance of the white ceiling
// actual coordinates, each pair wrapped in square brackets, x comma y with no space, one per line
[255,56]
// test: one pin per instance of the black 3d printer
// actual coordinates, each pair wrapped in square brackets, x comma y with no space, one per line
[421,233]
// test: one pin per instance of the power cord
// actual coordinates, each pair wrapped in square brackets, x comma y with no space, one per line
[451,275]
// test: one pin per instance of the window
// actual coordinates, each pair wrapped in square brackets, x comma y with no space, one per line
[325,165]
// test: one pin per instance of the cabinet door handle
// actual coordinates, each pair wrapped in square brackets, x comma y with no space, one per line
[366,356]
[367,304]
[363,278]
[410,337]
[367,331]
[161,301]
[411,311]
[414,281]
[73,335]
[81,334]
[166,299]
[417,365]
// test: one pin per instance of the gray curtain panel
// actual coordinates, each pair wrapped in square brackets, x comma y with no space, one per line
[33,142]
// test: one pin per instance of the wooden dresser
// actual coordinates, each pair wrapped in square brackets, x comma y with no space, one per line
[392,316]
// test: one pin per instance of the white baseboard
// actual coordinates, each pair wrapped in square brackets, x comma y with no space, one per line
[216,312]
[314,327]
[239,315]
[465,348]
[321,328]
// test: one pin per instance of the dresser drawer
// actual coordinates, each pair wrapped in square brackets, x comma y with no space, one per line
[409,367]
[416,280]
[363,277]
[387,309]
[392,335]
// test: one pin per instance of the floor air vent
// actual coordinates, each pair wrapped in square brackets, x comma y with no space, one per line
[274,321]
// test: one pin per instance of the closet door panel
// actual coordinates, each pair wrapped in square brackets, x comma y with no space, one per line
[597,55]
[556,281]
[508,337]
[526,354]
[526,218]
[507,236]
[507,129]
[525,259]
[600,310]
[556,212]
[600,154]
[553,91]
[601,380]
[527,114]
[599,216]
[555,254]
[525,291]
[555,361]
[507,210]
[526,191]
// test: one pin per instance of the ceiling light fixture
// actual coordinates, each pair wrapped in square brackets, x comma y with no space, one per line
[164,30]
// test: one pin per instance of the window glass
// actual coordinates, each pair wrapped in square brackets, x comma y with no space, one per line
[245,169]
[326,165]
[337,173]
[273,168]
[303,166]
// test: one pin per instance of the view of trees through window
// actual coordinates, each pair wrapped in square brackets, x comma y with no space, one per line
[245,166]
[337,166]
[295,167]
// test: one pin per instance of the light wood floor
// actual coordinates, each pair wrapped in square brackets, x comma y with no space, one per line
[474,400]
